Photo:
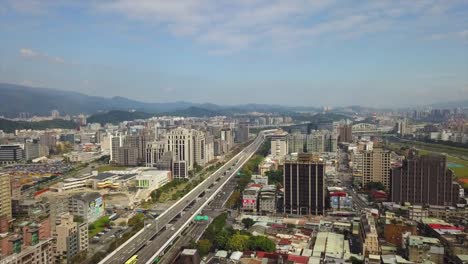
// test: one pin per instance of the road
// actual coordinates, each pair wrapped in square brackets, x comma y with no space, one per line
[347,180]
[154,237]
[196,229]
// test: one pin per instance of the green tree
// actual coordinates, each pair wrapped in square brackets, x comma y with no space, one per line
[137,221]
[275,176]
[248,222]
[222,239]
[204,246]
[261,243]
[233,199]
[238,242]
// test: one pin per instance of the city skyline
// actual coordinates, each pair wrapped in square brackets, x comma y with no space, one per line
[322,52]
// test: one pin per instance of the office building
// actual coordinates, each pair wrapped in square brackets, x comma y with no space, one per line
[10,154]
[304,189]
[180,144]
[5,196]
[424,180]
[345,133]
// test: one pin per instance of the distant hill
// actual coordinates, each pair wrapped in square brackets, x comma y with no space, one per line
[194,111]
[117,116]
[10,126]
[15,99]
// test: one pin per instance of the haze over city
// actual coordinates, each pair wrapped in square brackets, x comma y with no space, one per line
[319,53]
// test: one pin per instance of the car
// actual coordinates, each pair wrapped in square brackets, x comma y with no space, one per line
[101,233]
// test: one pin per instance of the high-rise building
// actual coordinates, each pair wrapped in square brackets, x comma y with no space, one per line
[315,142]
[180,144]
[279,146]
[199,148]
[48,139]
[376,166]
[137,142]
[345,133]
[128,156]
[228,137]
[321,141]
[242,134]
[296,142]
[331,142]
[424,180]
[154,152]
[115,143]
[357,159]
[5,196]
[304,188]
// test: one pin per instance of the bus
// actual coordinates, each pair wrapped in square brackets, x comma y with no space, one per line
[132,260]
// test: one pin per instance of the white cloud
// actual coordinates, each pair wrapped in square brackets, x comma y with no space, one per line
[24,52]
[30,53]
[230,26]
[236,25]
[462,35]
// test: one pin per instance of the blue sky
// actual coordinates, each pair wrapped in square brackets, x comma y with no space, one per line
[291,52]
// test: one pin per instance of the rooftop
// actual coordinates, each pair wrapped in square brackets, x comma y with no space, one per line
[421,240]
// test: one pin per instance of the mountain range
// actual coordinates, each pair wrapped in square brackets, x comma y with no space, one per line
[15,99]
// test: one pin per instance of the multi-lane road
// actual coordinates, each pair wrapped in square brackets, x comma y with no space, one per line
[151,241]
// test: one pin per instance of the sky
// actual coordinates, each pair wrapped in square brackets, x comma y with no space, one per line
[289,52]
